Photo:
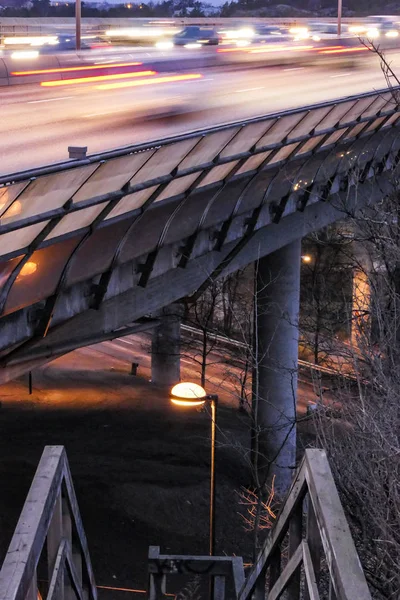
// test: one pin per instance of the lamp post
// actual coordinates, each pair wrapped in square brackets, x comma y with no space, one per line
[190,395]
[339,18]
[78,14]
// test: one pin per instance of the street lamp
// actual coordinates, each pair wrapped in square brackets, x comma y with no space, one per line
[339,18]
[78,16]
[189,395]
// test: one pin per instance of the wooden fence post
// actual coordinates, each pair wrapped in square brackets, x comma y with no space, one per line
[259,590]
[314,542]
[54,537]
[295,538]
[275,567]
[219,587]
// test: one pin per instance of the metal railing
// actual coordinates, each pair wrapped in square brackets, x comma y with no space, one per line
[311,534]
[50,517]
[223,569]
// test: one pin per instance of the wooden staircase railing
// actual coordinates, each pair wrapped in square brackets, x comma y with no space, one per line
[50,517]
[309,553]
[310,534]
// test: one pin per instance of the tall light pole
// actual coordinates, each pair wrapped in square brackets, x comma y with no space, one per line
[78,15]
[339,18]
[190,395]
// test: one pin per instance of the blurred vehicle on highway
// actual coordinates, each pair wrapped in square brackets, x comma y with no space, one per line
[318,30]
[375,27]
[146,34]
[31,46]
[267,34]
[195,36]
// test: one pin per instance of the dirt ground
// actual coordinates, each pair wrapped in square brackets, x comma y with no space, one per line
[140,466]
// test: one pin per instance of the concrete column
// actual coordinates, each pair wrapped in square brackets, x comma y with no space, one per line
[361,307]
[166,347]
[275,374]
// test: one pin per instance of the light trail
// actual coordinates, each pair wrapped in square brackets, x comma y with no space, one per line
[281,49]
[71,69]
[342,50]
[96,78]
[223,50]
[156,80]
[132,591]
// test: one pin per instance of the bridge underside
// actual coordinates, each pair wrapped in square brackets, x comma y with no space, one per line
[106,277]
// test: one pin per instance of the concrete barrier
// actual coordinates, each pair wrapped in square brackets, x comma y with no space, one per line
[13,67]
[3,73]
[37,24]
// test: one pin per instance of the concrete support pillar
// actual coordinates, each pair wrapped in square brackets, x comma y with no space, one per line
[361,307]
[166,347]
[275,374]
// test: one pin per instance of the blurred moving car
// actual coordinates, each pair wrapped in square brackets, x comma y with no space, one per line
[266,34]
[195,36]
[64,42]
[321,30]
[67,42]
[378,26]
[30,46]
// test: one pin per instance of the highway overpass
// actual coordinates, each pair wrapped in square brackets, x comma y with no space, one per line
[94,248]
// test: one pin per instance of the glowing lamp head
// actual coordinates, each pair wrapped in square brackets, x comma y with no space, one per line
[306,258]
[188,394]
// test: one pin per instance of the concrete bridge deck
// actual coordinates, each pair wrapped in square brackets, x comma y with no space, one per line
[92,245]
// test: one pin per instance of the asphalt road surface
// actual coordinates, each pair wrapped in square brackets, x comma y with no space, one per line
[39,123]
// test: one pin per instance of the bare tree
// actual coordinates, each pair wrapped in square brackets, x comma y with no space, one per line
[203,316]
[326,293]
[363,440]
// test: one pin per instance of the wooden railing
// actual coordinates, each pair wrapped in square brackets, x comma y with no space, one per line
[48,555]
[309,553]
[311,534]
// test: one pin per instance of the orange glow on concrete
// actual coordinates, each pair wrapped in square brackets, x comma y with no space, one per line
[343,50]
[96,78]
[69,69]
[156,80]
[361,309]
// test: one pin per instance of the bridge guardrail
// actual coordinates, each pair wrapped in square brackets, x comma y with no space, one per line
[42,24]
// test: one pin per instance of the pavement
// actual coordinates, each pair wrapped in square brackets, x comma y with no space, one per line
[39,123]
[113,359]
[140,466]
